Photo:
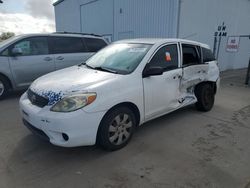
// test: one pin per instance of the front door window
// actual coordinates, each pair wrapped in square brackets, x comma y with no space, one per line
[33,46]
[166,57]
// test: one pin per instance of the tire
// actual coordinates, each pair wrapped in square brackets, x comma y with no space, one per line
[4,87]
[116,129]
[205,95]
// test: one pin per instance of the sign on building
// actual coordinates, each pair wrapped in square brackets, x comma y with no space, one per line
[233,44]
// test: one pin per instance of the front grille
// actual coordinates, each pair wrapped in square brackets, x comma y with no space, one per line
[35,130]
[36,99]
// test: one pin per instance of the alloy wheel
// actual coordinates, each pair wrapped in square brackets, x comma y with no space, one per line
[120,129]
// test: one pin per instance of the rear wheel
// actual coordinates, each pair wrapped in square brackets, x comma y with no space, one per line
[205,95]
[116,128]
[4,87]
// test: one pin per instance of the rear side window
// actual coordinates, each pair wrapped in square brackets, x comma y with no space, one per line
[166,57]
[62,45]
[207,55]
[94,44]
[190,55]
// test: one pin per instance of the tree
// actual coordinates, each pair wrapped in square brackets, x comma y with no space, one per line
[6,35]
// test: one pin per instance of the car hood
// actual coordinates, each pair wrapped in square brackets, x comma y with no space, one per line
[75,80]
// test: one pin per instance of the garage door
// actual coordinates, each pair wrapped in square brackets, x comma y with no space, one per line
[97,17]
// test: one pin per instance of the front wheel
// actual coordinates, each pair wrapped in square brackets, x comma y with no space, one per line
[116,128]
[205,95]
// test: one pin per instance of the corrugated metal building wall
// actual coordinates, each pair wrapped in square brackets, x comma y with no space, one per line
[133,19]
[67,15]
[97,17]
[192,19]
[119,19]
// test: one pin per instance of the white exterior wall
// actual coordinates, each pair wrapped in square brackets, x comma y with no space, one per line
[199,19]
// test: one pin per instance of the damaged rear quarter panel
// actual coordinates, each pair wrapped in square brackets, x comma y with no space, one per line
[196,74]
[213,72]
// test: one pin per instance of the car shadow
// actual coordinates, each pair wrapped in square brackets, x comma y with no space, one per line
[167,119]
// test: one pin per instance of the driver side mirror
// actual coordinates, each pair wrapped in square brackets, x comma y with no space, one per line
[16,51]
[152,71]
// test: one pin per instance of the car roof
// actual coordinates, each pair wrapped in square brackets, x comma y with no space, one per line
[62,34]
[160,41]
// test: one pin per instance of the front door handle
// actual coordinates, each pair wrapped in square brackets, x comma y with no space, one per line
[47,59]
[177,77]
[60,58]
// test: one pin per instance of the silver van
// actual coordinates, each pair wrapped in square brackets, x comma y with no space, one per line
[26,57]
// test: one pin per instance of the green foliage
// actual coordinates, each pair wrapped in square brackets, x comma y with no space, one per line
[6,35]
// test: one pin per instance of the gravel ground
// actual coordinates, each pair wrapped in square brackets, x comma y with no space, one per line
[185,149]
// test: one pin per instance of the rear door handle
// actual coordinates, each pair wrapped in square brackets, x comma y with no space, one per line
[201,71]
[47,59]
[60,58]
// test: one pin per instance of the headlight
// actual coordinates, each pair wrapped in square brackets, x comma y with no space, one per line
[74,102]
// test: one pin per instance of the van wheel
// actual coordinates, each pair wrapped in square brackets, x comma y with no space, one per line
[205,96]
[4,87]
[116,129]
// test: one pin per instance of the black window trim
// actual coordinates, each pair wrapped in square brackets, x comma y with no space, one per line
[161,46]
[9,48]
[199,55]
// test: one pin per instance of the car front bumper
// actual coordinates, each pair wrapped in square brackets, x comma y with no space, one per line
[71,129]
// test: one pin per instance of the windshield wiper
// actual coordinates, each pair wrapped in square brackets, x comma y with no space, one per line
[81,64]
[98,68]
[86,65]
[105,69]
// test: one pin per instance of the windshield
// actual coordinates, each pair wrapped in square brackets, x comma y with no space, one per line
[119,58]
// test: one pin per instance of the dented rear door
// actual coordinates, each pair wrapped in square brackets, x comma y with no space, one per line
[194,70]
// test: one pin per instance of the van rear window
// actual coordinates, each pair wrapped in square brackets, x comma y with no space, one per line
[94,44]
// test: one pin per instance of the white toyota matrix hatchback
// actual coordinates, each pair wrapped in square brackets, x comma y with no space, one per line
[121,87]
